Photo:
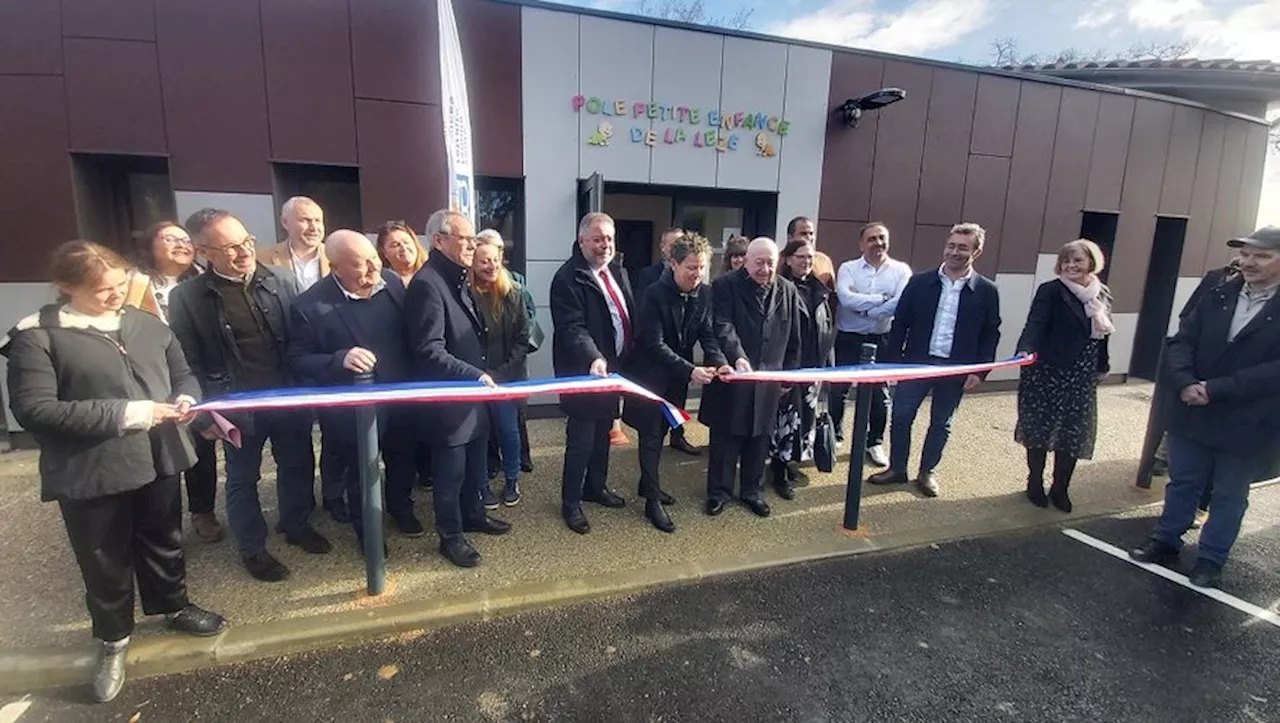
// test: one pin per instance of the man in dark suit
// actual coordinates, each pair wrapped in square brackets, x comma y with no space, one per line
[948,315]
[1225,363]
[592,312]
[350,323]
[644,278]
[675,314]
[757,318]
[447,341]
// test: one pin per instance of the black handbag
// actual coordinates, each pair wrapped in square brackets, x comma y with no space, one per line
[536,336]
[824,437]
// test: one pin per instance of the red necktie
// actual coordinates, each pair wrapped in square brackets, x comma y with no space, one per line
[622,309]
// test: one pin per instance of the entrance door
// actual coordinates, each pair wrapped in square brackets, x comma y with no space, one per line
[1157,297]
[634,241]
[591,195]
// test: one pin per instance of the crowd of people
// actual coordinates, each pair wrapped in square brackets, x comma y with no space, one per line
[105,380]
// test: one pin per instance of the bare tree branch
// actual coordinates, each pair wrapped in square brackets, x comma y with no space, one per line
[1004,52]
[694,12]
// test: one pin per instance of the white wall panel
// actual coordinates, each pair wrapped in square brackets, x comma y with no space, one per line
[257,211]
[1044,268]
[800,151]
[615,65]
[686,73]
[17,300]
[1016,292]
[1181,293]
[753,81]
[549,67]
[1121,343]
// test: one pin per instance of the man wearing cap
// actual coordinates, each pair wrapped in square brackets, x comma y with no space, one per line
[1224,363]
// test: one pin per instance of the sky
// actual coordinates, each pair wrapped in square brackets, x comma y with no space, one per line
[964,30]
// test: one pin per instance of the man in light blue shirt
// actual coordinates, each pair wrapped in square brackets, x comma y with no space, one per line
[868,288]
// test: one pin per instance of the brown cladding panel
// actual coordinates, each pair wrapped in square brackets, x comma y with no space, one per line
[490,36]
[402,161]
[395,50]
[1139,202]
[1068,178]
[113,96]
[109,19]
[995,117]
[1110,149]
[839,239]
[309,88]
[946,143]
[36,202]
[849,154]
[1226,206]
[30,38]
[1204,194]
[1028,178]
[985,187]
[927,252]
[895,186]
[215,98]
[1255,156]
[1180,164]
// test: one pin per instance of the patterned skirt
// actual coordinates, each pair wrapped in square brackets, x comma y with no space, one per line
[792,439]
[1058,407]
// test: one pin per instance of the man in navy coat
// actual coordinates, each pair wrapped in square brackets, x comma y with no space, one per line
[346,324]
[447,339]
[947,315]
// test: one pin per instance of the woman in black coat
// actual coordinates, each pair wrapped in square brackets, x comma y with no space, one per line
[1067,327]
[106,393]
[792,441]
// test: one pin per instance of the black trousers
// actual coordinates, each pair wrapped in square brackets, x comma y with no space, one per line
[399,458]
[586,459]
[422,460]
[333,468]
[650,457]
[202,479]
[526,454]
[459,473]
[849,352]
[118,538]
[729,451]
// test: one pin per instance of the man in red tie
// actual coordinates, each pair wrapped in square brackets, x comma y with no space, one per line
[591,311]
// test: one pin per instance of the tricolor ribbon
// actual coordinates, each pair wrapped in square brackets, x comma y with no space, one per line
[429,392]
[876,373]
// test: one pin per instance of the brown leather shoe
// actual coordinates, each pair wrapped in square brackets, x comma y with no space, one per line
[207,526]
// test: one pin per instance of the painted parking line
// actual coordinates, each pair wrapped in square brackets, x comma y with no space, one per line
[1243,606]
[13,711]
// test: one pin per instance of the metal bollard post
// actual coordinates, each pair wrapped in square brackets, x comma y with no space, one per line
[375,563]
[1161,401]
[857,455]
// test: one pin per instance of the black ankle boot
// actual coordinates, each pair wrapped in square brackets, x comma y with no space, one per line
[1058,495]
[1035,491]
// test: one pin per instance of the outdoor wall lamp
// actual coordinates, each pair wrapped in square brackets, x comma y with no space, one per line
[851,110]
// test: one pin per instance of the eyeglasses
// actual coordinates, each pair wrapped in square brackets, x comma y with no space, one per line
[176,240]
[233,250]
[464,239]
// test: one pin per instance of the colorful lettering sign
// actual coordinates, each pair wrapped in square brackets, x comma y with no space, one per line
[682,125]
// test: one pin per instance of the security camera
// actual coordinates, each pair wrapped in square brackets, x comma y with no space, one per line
[851,110]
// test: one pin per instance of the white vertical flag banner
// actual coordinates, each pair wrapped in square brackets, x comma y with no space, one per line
[457,114]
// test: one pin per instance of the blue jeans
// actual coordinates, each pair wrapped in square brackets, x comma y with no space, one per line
[907,398]
[1193,466]
[290,435]
[505,426]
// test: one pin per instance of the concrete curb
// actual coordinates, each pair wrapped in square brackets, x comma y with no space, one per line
[27,670]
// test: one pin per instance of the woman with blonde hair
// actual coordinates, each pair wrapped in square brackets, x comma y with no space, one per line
[501,304]
[107,394]
[1067,328]
[400,249]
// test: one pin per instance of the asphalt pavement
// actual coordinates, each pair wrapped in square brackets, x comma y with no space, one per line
[1033,626]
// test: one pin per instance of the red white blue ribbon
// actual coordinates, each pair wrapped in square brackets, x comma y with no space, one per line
[876,373]
[434,392]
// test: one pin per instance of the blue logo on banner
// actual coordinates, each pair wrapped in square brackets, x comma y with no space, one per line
[462,193]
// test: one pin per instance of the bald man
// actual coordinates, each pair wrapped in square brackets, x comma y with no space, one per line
[757,317]
[350,323]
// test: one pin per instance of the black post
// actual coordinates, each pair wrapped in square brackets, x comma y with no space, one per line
[375,563]
[857,455]
[1156,424]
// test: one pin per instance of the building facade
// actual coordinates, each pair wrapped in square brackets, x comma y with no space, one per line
[115,115]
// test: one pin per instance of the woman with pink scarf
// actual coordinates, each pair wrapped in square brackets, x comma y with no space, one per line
[1067,328]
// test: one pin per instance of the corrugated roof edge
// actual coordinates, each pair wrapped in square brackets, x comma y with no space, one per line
[1029,75]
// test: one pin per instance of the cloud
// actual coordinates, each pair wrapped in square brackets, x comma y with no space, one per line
[1250,31]
[921,26]
[1098,16]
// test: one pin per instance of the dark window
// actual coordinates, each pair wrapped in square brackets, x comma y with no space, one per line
[118,197]
[1100,228]
[335,188]
[500,206]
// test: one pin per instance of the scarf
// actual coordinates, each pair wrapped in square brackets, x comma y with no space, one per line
[1097,305]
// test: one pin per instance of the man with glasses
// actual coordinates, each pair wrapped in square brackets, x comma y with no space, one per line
[232,324]
[447,340]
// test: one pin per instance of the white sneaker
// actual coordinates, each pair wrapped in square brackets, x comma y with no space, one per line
[876,455]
